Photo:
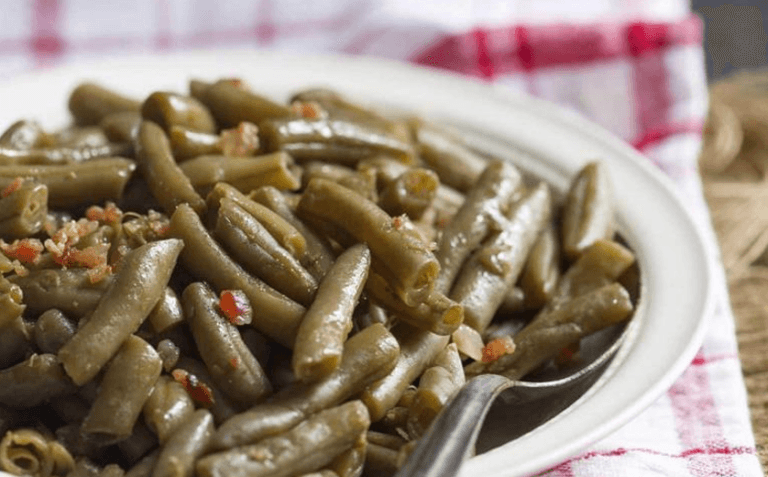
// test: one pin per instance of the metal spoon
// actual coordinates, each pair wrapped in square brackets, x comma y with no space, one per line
[454,432]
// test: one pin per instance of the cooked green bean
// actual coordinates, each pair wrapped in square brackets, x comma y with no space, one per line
[276,315]
[362,182]
[178,455]
[417,350]
[339,107]
[121,127]
[437,385]
[231,105]
[89,103]
[167,408]
[69,290]
[514,301]
[232,366]
[52,330]
[222,407]
[368,356]
[490,272]
[23,211]
[172,109]
[350,462]
[144,467]
[327,322]
[401,256]
[33,381]
[127,384]
[15,341]
[319,257]
[80,137]
[553,330]
[186,143]
[411,193]
[139,285]
[11,302]
[251,244]
[243,173]
[167,313]
[588,210]
[455,164]
[309,446]
[288,236]
[62,154]
[23,135]
[72,185]
[490,197]
[27,452]
[168,183]
[321,473]
[380,461]
[332,140]
[542,270]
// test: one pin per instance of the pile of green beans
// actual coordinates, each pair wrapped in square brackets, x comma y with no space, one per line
[217,284]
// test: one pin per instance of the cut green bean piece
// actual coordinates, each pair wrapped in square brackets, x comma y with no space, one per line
[70,291]
[231,105]
[52,330]
[23,211]
[455,164]
[138,286]
[588,210]
[172,109]
[33,381]
[89,103]
[121,127]
[542,270]
[178,456]
[23,135]
[167,313]
[243,173]
[167,408]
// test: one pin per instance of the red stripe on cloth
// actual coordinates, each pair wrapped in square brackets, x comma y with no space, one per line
[701,360]
[698,424]
[645,37]
[163,40]
[47,44]
[484,62]
[266,30]
[656,135]
[621,451]
[361,42]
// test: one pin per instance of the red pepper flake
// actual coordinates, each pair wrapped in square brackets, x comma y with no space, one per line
[234,305]
[308,109]
[234,362]
[197,390]
[24,250]
[497,348]
[240,141]
[567,355]
[12,187]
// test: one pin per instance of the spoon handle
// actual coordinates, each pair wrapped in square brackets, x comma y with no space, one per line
[453,433]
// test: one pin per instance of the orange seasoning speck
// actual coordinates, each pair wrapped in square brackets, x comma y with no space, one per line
[497,348]
[24,250]
[234,305]
[12,187]
[198,391]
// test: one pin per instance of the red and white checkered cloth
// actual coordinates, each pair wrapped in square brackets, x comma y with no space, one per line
[655,98]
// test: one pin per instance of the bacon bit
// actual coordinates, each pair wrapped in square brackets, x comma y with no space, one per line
[12,187]
[234,305]
[110,214]
[197,390]
[497,348]
[99,273]
[398,222]
[234,362]
[20,269]
[308,110]
[158,223]
[240,141]
[567,355]
[24,250]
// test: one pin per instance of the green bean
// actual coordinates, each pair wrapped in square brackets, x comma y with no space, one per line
[490,197]
[167,313]
[167,408]
[455,164]
[15,341]
[542,270]
[380,461]
[11,302]
[588,210]
[288,236]
[254,247]
[368,356]
[332,140]
[186,143]
[417,350]
[80,137]
[277,316]
[437,385]
[318,258]
[350,462]
[362,182]
[339,107]
[600,264]
[324,329]
[52,330]
[69,290]
[172,109]
[89,103]
[127,384]
[222,407]
[231,105]
[121,127]
[23,211]
[138,286]
[168,183]
[33,381]
[232,366]
[401,256]
[27,452]
[514,301]
[411,193]
[145,466]
[493,269]
[62,155]
[23,135]
[72,185]
[309,446]
[321,473]
[243,173]
[553,330]
[178,455]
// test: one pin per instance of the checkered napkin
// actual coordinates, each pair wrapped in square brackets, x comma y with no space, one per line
[563,51]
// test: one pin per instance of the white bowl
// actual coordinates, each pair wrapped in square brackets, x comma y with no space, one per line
[540,137]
